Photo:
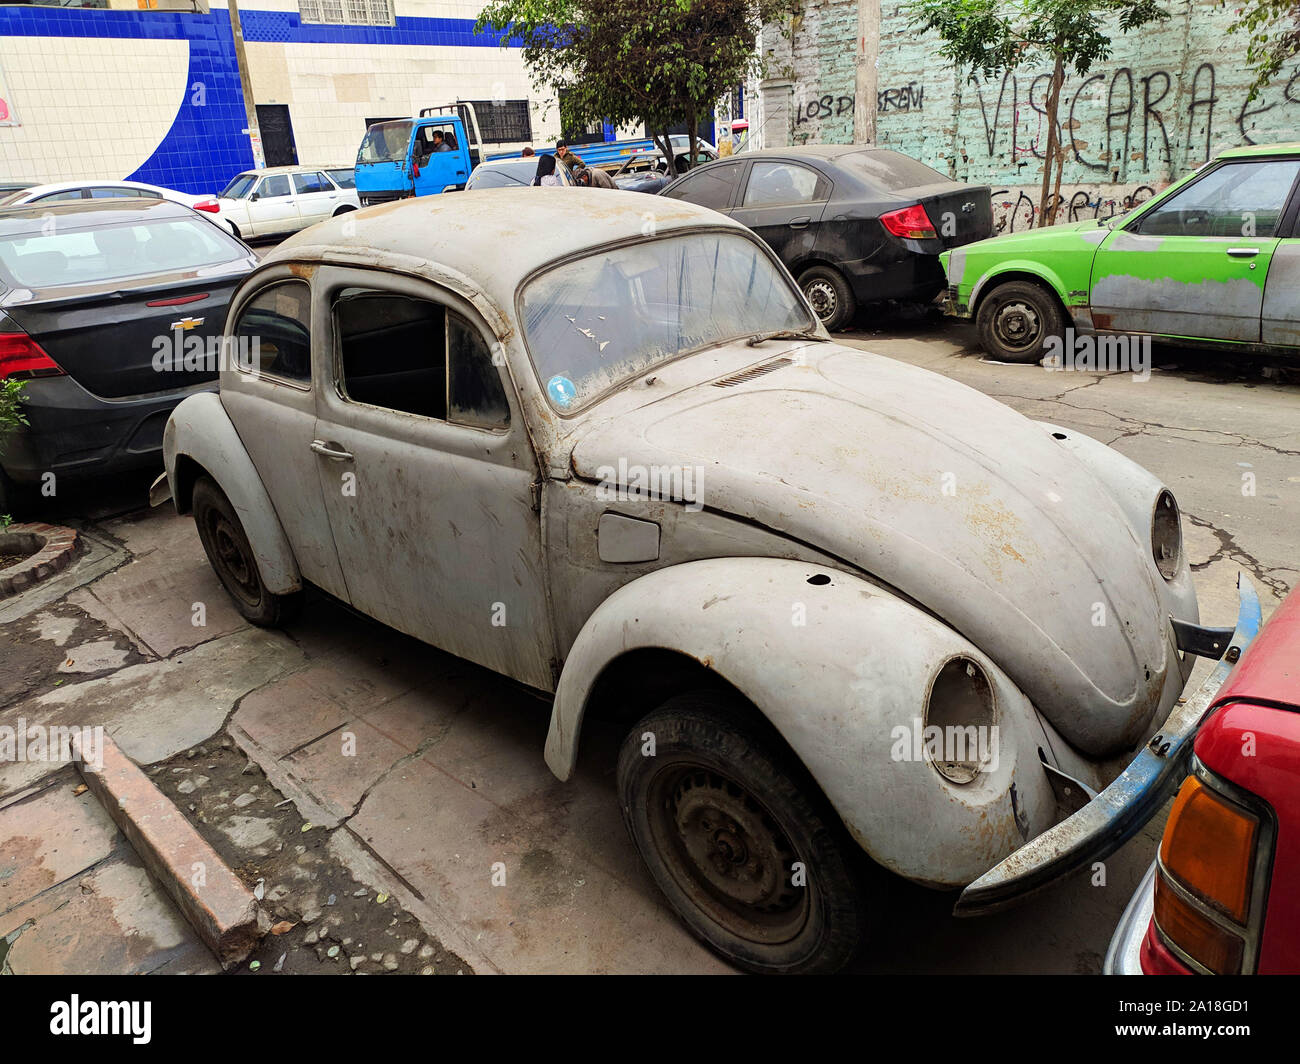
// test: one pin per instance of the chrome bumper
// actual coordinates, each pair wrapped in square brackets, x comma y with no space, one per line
[1124,956]
[1117,813]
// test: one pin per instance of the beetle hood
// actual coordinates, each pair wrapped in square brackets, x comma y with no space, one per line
[953,499]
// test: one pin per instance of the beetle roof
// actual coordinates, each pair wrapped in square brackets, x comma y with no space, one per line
[498,236]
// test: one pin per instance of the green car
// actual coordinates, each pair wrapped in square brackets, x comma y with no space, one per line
[1215,258]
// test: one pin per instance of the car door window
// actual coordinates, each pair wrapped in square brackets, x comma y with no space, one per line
[116,193]
[59,197]
[272,187]
[273,333]
[777,182]
[1243,199]
[710,187]
[304,184]
[417,357]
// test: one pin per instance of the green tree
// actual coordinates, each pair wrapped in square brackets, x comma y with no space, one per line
[1272,29]
[987,38]
[662,62]
[11,416]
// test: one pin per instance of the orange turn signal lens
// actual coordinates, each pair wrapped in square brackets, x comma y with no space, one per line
[1213,946]
[1209,848]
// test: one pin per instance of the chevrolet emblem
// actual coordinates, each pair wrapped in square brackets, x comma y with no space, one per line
[186,324]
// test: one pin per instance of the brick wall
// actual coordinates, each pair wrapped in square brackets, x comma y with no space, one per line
[1168,98]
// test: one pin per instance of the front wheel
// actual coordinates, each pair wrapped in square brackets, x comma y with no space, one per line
[740,840]
[231,557]
[1017,319]
[829,295]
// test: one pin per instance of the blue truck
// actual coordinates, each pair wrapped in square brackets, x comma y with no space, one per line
[438,150]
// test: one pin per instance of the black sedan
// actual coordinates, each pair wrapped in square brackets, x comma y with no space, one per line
[112,312]
[854,225]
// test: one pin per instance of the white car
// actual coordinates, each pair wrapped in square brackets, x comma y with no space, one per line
[284,199]
[62,191]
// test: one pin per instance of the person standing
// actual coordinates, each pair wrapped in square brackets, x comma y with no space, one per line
[546,171]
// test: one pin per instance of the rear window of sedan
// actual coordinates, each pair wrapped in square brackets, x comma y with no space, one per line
[890,170]
[89,256]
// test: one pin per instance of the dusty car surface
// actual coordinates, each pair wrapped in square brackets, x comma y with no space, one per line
[626,467]
[1214,260]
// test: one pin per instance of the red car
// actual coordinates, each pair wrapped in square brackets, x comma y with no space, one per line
[1223,895]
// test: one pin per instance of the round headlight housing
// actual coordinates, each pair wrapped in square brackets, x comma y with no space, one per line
[961,735]
[1167,535]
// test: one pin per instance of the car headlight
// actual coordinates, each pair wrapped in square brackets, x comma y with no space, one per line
[1167,535]
[961,735]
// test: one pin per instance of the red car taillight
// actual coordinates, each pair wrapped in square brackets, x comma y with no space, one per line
[22,357]
[911,223]
[1205,881]
[209,205]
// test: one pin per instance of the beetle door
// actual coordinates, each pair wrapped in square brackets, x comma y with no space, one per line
[1195,264]
[428,474]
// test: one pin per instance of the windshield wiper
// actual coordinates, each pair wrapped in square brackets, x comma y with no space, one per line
[783,334]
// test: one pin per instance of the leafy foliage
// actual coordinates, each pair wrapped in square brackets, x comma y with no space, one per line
[664,62]
[11,416]
[1272,29]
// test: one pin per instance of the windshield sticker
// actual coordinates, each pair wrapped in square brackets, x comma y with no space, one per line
[561,391]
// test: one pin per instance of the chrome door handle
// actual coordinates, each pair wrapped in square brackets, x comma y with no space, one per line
[321,447]
[800,223]
[1243,253]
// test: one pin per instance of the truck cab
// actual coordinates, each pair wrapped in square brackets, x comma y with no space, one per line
[418,156]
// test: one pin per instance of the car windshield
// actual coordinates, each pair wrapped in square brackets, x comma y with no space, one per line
[597,322]
[344,178]
[386,142]
[67,256]
[239,187]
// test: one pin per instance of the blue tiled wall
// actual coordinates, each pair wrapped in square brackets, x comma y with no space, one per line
[205,147]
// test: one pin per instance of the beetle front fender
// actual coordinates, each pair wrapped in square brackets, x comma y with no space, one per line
[843,669]
[200,430]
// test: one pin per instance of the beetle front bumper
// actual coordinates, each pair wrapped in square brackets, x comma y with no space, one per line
[1118,812]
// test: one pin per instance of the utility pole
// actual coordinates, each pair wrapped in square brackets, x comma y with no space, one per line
[246,84]
[866,80]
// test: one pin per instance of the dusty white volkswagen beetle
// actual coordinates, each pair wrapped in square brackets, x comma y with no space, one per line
[855,615]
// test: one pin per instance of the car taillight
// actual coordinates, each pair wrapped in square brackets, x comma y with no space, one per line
[209,205]
[21,357]
[911,223]
[1206,875]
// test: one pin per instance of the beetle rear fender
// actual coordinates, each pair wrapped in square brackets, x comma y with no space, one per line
[842,669]
[200,438]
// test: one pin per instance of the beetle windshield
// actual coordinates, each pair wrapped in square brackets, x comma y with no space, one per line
[386,142]
[596,322]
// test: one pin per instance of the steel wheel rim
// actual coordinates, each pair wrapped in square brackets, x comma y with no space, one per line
[231,558]
[1017,325]
[726,852]
[821,296]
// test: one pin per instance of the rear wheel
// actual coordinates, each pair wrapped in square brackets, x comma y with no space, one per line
[1016,320]
[829,295]
[232,558]
[740,840]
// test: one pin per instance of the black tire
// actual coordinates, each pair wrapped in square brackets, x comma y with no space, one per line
[344,210]
[232,559]
[1016,319]
[720,814]
[829,295]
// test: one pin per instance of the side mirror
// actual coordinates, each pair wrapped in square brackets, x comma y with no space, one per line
[255,195]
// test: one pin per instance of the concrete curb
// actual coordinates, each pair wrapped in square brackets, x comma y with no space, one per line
[58,546]
[211,897]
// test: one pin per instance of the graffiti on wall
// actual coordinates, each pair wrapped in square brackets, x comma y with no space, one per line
[1015,211]
[1123,117]
[904,98]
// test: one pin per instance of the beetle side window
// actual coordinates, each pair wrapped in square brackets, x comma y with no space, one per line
[772,183]
[273,332]
[417,357]
[711,187]
[1243,199]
